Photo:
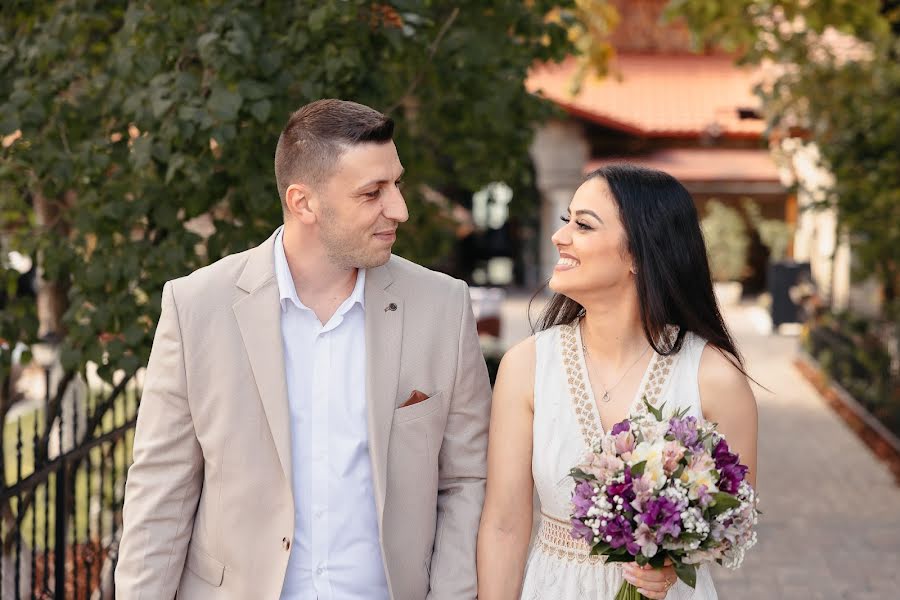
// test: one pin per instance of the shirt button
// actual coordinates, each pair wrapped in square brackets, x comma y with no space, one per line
[320,570]
[286,543]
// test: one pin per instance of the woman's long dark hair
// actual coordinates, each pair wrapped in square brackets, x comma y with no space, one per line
[674,286]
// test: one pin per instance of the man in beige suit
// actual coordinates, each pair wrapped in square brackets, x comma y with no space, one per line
[314,419]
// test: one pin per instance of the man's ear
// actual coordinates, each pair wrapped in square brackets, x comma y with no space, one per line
[301,203]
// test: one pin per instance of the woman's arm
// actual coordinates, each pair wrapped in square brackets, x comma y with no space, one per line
[727,399]
[505,528]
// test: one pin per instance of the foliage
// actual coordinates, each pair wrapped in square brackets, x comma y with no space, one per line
[774,233]
[137,118]
[138,139]
[837,78]
[589,24]
[855,352]
[725,234]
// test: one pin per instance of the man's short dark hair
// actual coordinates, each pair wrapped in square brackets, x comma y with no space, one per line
[318,134]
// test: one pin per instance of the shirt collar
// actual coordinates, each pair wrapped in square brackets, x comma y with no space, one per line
[288,291]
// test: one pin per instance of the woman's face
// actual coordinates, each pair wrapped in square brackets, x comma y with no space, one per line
[592,246]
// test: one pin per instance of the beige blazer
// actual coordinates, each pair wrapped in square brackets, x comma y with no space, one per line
[209,511]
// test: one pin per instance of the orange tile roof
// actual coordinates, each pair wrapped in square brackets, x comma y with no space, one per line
[658,95]
[704,164]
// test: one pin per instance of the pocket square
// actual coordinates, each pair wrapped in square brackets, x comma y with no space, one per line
[414,398]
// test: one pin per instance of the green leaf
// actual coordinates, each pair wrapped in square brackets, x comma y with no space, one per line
[638,469]
[601,548]
[656,412]
[317,18]
[623,557]
[140,151]
[253,90]
[224,104]
[261,110]
[686,573]
[722,502]
[205,45]
[579,474]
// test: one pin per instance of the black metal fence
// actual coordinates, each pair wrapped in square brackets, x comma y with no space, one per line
[65,463]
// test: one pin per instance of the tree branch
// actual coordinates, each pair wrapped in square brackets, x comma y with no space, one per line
[432,50]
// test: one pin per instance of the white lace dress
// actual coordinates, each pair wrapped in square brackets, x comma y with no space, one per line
[565,418]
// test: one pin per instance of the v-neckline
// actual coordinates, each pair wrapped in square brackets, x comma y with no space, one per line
[589,388]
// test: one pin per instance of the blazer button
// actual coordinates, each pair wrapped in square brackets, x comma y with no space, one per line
[286,543]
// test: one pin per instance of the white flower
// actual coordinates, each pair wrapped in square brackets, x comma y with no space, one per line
[652,454]
[700,472]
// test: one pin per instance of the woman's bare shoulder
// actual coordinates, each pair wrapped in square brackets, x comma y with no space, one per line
[723,386]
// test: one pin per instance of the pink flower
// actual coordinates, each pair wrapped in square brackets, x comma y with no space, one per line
[624,442]
[646,539]
[643,491]
[603,466]
[673,452]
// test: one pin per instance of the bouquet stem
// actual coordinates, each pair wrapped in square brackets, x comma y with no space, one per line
[629,592]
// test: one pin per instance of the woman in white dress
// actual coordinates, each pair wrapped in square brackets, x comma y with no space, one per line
[633,316]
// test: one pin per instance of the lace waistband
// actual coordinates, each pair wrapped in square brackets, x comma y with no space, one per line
[554,538]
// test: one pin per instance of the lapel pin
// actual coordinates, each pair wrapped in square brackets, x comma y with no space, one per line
[390,307]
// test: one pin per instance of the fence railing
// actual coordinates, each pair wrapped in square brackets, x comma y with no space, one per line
[65,466]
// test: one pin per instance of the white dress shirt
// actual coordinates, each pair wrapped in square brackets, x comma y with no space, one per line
[335,554]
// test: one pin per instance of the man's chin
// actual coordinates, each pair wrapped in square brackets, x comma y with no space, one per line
[375,260]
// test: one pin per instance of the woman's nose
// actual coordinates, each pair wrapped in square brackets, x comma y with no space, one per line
[560,237]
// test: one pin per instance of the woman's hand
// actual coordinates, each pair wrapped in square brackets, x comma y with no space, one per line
[652,583]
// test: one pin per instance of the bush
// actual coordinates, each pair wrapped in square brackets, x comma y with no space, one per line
[855,353]
[726,240]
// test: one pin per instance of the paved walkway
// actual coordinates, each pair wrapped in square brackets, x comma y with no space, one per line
[831,523]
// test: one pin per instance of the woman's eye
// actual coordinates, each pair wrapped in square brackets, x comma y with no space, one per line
[564,219]
[582,225]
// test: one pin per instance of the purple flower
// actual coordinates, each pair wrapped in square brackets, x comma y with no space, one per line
[580,531]
[703,496]
[731,477]
[620,427]
[581,499]
[723,455]
[624,490]
[663,515]
[731,471]
[685,431]
[618,533]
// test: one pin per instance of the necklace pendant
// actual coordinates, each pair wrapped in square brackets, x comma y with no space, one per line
[605,397]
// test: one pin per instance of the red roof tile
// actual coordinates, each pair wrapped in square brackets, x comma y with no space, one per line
[658,95]
[704,164]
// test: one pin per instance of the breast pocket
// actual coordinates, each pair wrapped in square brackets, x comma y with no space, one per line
[418,410]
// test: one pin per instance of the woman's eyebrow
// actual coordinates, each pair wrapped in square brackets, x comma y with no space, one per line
[588,212]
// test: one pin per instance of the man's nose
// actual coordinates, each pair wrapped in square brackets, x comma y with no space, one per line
[395,206]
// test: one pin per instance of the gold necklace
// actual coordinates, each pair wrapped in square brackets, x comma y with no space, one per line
[607,390]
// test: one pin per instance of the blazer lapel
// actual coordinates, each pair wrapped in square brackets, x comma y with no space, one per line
[384,333]
[259,319]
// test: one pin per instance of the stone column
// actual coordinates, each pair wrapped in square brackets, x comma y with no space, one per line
[560,153]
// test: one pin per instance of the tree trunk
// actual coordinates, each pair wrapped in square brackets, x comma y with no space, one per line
[52,296]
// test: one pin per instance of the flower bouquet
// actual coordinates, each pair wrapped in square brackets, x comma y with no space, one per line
[656,489]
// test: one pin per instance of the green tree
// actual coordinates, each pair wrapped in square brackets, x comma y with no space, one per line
[127,120]
[838,81]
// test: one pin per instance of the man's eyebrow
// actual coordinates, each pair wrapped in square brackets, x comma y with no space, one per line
[588,212]
[380,181]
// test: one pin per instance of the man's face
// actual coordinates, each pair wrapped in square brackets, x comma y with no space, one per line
[360,206]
